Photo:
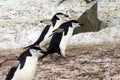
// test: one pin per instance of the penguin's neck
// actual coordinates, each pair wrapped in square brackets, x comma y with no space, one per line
[34,54]
[53,27]
[58,23]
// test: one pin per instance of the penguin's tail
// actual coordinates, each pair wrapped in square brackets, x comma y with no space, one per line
[32,45]
[43,56]
[28,46]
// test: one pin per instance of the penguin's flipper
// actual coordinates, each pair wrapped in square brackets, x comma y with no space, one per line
[30,46]
[27,46]
[58,30]
[48,22]
[9,63]
[41,58]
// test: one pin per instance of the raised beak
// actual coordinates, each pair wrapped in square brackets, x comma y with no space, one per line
[66,15]
[81,24]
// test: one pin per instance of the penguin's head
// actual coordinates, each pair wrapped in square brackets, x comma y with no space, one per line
[60,16]
[36,51]
[76,23]
[88,1]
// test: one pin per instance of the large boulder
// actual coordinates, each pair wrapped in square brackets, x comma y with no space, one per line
[89,19]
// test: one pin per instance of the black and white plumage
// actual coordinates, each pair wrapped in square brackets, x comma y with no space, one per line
[88,1]
[44,38]
[26,67]
[61,38]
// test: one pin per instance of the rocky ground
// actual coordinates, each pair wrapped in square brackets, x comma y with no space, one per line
[83,62]
[20,19]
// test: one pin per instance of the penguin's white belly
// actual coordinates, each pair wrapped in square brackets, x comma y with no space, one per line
[65,40]
[28,71]
[58,23]
[47,37]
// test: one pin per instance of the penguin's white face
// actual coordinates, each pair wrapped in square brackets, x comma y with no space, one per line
[36,53]
[75,24]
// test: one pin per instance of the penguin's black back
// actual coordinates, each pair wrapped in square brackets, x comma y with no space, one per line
[54,44]
[54,20]
[22,59]
[44,32]
[23,56]
[11,73]
[66,26]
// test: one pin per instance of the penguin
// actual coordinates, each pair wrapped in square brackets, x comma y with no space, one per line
[44,38]
[88,1]
[61,38]
[25,65]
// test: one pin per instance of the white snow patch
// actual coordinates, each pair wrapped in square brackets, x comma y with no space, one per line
[19,20]
[111,34]
[20,39]
[31,34]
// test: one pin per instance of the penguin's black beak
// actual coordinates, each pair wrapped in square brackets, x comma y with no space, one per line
[81,24]
[66,15]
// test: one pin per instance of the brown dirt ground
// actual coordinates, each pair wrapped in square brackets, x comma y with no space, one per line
[83,62]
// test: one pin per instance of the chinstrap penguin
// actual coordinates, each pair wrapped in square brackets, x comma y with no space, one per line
[26,65]
[61,38]
[44,38]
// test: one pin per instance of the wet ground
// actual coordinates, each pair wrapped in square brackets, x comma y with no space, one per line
[83,62]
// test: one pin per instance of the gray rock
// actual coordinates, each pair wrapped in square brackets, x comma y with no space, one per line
[90,20]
